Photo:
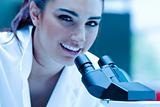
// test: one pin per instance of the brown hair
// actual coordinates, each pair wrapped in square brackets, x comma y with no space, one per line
[23,18]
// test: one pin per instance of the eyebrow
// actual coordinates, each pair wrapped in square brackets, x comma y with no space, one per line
[75,14]
[97,17]
[69,11]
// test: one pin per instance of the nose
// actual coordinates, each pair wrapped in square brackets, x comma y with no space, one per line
[79,34]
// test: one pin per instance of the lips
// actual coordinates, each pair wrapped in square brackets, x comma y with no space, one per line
[70,49]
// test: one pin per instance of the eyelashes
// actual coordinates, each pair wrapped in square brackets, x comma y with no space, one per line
[92,23]
[68,20]
[65,18]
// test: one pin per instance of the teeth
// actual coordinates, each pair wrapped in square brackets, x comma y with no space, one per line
[70,47]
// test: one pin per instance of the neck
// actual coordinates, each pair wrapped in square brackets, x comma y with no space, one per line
[42,82]
[45,70]
[43,65]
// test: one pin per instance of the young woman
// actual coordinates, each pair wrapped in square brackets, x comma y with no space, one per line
[36,58]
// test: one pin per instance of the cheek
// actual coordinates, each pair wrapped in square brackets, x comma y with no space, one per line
[50,27]
[90,38]
[53,30]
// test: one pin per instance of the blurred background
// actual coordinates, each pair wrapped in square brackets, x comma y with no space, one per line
[129,34]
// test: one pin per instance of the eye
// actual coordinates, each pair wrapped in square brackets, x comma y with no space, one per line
[92,23]
[65,18]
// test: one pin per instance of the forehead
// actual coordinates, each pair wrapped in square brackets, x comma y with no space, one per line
[90,7]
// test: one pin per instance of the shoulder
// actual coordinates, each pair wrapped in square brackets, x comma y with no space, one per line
[20,40]
[22,35]
[5,37]
[12,48]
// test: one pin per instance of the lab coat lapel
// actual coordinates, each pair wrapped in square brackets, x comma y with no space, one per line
[66,90]
[26,62]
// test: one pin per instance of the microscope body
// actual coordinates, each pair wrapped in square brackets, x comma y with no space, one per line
[109,82]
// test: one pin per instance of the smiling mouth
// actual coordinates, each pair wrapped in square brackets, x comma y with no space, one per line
[70,49]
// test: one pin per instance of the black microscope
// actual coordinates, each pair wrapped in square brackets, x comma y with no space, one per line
[109,82]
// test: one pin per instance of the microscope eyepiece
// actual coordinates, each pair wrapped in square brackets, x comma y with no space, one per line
[83,64]
[105,60]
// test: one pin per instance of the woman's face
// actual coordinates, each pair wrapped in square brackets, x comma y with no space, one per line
[67,28]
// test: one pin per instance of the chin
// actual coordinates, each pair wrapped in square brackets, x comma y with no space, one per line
[68,61]
[69,64]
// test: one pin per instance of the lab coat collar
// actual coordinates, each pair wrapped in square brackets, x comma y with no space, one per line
[67,89]
[25,37]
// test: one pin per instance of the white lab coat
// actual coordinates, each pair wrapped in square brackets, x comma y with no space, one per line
[15,67]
